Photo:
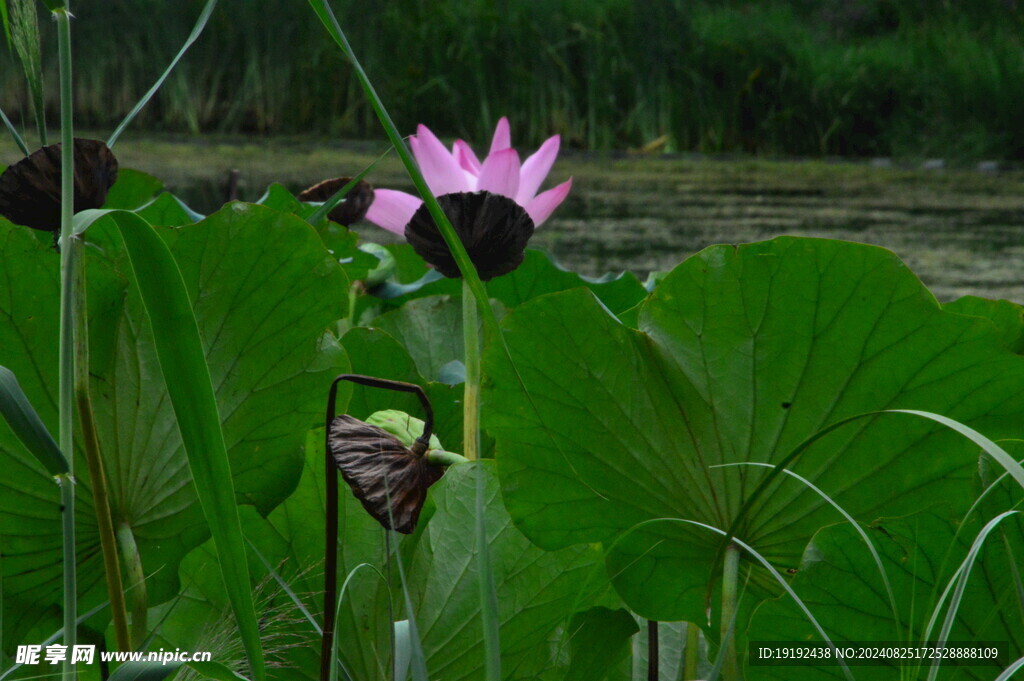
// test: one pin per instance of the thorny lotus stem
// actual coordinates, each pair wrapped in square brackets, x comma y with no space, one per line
[652,650]
[471,390]
[137,594]
[67,334]
[419,448]
[91,446]
[730,594]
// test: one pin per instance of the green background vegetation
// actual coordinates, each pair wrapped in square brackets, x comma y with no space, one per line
[833,77]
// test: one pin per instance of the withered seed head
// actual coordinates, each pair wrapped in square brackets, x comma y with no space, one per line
[493,228]
[30,189]
[376,465]
[352,209]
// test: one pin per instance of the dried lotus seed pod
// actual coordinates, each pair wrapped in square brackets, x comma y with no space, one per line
[378,466]
[30,189]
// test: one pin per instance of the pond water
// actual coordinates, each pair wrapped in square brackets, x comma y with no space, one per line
[961,231]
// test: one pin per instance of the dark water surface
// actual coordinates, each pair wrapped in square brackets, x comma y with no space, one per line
[961,231]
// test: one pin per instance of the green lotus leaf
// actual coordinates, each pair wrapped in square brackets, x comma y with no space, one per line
[341,241]
[264,290]
[742,354]
[430,329]
[167,210]
[537,590]
[132,189]
[598,642]
[376,353]
[406,428]
[539,274]
[1008,317]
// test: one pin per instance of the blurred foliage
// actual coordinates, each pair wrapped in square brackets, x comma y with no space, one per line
[805,77]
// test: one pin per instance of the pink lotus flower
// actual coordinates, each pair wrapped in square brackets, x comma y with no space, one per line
[459,170]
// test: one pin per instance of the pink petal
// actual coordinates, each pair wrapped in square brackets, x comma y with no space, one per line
[466,158]
[392,209]
[536,168]
[545,204]
[502,136]
[500,173]
[439,167]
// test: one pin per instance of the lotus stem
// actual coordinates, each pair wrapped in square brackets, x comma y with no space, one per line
[652,651]
[67,334]
[91,446]
[692,652]
[67,506]
[730,596]
[439,457]
[419,447]
[138,597]
[330,541]
[471,391]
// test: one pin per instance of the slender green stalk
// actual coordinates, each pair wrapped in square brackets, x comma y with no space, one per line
[137,595]
[471,391]
[439,457]
[730,593]
[692,652]
[91,447]
[67,509]
[67,333]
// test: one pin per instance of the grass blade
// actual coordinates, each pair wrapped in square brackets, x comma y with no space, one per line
[157,671]
[1011,670]
[961,576]
[24,33]
[197,30]
[759,558]
[54,637]
[286,588]
[14,133]
[488,593]
[183,364]
[1014,469]
[418,661]
[27,426]
[6,23]
[466,267]
[860,530]
[337,609]
[403,650]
